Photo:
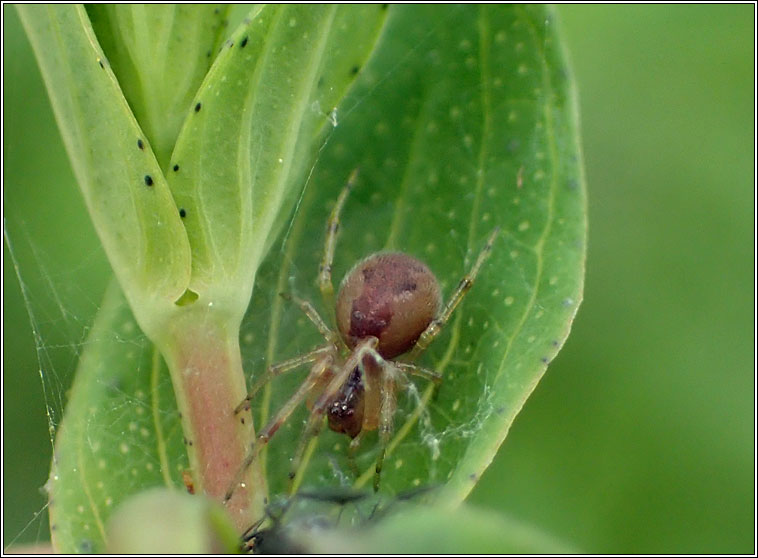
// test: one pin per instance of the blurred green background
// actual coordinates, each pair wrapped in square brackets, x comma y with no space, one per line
[640,438]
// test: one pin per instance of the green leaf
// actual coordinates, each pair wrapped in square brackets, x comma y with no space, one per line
[254,130]
[160,54]
[121,432]
[464,119]
[126,195]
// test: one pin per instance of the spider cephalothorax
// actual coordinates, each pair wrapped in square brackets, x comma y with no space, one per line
[389,304]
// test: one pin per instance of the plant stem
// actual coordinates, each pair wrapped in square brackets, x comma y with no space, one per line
[202,351]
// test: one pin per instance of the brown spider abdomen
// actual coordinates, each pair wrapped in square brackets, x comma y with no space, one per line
[390,296]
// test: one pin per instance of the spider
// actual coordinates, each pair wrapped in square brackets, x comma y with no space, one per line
[388,304]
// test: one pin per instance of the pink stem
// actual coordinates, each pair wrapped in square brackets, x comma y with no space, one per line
[204,358]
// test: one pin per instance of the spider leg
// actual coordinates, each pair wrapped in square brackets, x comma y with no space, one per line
[437,323]
[313,316]
[333,225]
[315,421]
[273,425]
[386,420]
[415,370]
[280,368]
